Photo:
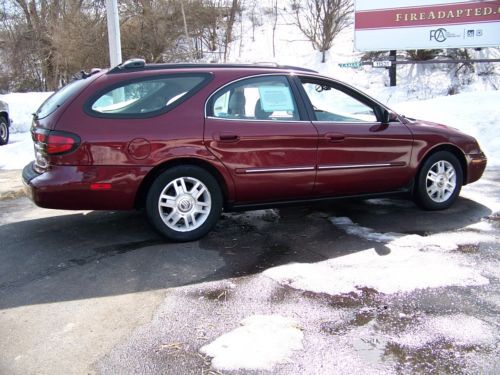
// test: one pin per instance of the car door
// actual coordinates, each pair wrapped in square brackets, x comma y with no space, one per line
[357,152]
[257,130]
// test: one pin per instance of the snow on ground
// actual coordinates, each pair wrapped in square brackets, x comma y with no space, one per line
[18,152]
[414,262]
[474,113]
[21,108]
[259,344]
[461,329]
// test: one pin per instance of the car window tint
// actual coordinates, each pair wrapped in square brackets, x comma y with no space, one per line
[261,98]
[147,96]
[331,104]
[59,97]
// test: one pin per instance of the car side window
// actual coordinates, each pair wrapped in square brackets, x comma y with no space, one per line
[332,104]
[146,97]
[260,98]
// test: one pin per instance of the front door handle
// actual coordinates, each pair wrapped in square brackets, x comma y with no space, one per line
[227,137]
[335,137]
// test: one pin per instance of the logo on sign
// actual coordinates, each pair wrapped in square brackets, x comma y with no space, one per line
[438,35]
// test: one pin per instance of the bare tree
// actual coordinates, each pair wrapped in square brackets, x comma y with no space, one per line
[212,24]
[255,17]
[230,19]
[322,20]
[44,44]
[272,11]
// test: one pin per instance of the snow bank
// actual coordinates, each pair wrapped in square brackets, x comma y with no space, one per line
[259,344]
[21,108]
[474,113]
[414,262]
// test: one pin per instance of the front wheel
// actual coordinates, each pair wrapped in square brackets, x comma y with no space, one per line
[4,131]
[439,181]
[184,203]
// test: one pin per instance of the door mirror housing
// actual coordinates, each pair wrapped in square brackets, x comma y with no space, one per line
[388,116]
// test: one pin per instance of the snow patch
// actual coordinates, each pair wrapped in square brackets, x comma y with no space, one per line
[460,329]
[259,344]
[439,241]
[414,262]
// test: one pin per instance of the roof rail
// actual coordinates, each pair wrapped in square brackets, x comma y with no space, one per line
[129,64]
[134,64]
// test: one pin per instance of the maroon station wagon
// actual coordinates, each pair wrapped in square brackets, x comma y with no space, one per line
[187,141]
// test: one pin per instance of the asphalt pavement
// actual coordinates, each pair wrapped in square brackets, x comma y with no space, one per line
[102,292]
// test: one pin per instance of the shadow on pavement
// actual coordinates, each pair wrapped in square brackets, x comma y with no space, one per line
[77,256]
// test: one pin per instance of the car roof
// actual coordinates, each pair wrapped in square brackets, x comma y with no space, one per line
[139,64]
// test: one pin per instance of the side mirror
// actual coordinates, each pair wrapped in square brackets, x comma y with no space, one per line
[388,116]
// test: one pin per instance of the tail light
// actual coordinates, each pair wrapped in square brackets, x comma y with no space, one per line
[53,142]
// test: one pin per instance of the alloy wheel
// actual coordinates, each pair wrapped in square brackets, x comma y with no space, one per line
[441,181]
[184,204]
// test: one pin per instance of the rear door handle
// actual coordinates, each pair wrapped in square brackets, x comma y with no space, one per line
[335,137]
[227,137]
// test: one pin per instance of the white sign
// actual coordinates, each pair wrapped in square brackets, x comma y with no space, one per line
[426,24]
[382,64]
[275,98]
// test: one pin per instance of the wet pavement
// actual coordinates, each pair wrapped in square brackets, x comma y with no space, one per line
[101,292]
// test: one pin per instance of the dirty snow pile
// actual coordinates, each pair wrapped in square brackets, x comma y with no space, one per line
[260,343]
[414,262]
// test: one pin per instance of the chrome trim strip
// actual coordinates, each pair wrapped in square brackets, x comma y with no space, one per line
[255,120]
[356,166]
[291,169]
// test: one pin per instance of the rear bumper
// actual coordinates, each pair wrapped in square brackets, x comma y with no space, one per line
[72,187]
[477,165]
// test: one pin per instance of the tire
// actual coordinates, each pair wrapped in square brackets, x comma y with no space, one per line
[439,181]
[4,131]
[184,203]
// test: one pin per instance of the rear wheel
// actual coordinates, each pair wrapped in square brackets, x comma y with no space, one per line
[184,203]
[439,181]
[4,131]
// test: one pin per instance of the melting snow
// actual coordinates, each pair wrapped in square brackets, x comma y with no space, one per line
[414,262]
[459,328]
[259,344]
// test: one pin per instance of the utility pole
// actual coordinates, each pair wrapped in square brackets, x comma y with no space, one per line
[115,46]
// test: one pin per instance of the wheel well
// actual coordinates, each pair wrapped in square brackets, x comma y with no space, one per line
[5,115]
[147,181]
[453,150]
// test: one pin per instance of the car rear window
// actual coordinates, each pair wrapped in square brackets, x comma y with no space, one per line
[60,97]
[146,97]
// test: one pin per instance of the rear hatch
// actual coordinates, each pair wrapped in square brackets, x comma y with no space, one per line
[51,144]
